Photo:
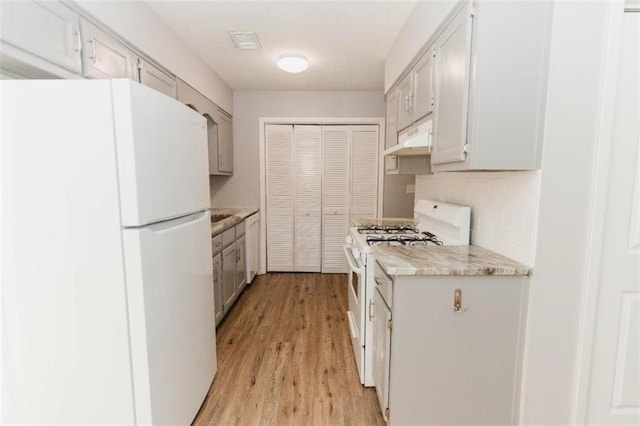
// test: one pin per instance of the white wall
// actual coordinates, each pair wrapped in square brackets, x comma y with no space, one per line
[566,199]
[137,23]
[397,201]
[243,188]
[504,207]
[423,20]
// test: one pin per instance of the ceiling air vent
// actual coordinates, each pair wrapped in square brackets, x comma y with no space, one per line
[245,39]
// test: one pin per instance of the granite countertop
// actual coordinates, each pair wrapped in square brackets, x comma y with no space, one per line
[383,221]
[237,215]
[445,260]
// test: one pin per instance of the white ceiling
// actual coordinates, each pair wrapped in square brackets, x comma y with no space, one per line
[346,42]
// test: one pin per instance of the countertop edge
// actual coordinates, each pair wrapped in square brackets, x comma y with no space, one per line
[448,261]
[237,216]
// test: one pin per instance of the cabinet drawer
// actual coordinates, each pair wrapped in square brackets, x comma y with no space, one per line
[228,236]
[216,243]
[240,230]
[384,283]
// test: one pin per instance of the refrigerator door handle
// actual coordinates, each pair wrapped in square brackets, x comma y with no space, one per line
[175,222]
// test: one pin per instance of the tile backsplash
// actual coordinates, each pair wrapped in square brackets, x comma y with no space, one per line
[504,207]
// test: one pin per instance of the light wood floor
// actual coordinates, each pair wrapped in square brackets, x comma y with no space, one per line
[285,357]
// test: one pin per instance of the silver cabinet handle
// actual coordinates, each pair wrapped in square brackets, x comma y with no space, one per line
[370,310]
[457,302]
[79,40]
[93,56]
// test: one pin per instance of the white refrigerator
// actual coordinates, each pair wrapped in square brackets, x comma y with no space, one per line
[107,294]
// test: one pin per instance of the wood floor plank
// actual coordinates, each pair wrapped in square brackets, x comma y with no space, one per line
[285,358]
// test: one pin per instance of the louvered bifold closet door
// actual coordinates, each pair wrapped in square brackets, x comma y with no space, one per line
[335,196]
[364,171]
[280,198]
[307,147]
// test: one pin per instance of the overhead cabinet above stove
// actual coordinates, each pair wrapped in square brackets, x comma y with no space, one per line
[415,92]
[485,68]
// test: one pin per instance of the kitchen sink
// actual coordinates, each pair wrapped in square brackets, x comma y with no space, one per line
[219,217]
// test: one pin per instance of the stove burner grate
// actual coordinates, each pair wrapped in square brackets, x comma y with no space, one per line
[387,229]
[403,240]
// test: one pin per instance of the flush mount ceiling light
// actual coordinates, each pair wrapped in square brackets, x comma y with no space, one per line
[293,63]
[245,39]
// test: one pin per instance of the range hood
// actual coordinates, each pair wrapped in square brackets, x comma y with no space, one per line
[415,140]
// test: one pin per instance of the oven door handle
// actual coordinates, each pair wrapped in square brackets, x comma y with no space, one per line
[353,264]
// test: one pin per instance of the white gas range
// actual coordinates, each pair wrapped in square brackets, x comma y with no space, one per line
[434,223]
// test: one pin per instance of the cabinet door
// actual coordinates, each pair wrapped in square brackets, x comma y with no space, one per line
[364,171]
[103,56]
[190,96]
[252,246]
[213,130]
[382,350]
[217,287]
[154,77]
[422,99]
[404,102]
[225,144]
[391,136]
[229,262]
[453,56]
[46,29]
[241,265]
[280,198]
[308,189]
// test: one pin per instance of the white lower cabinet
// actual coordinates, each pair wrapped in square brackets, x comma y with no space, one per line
[217,287]
[434,364]
[252,243]
[229,293]
[229,268]
[241,264]
[382,350]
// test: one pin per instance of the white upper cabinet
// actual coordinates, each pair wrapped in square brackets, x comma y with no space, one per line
[483,77]
[422,87]
[453,50]
[154,77]
[46,29]
[225,144]
[219,128]
[103,56]
[391,136]
[415,92]
[404,103]
[492,64]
